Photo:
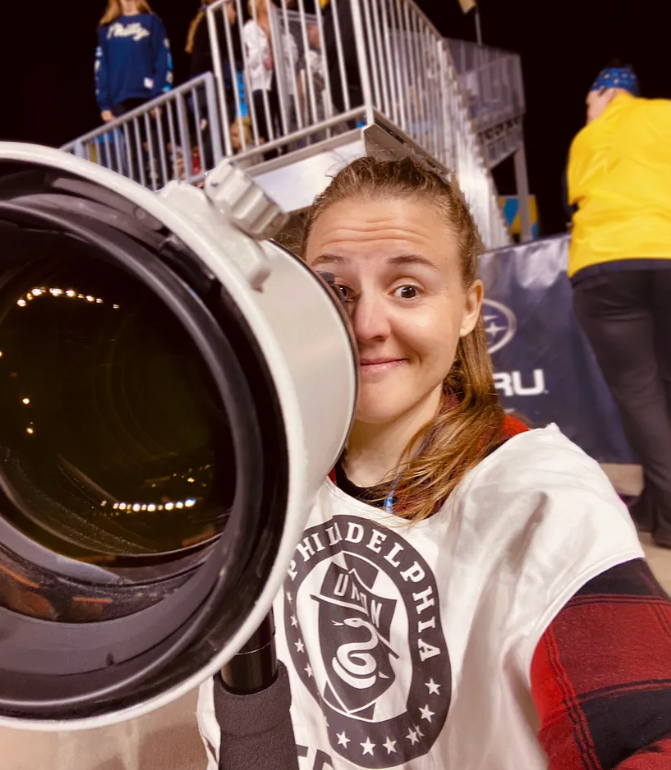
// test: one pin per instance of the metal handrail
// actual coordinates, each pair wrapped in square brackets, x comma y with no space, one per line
[397,48]
[157,141]
[315,77]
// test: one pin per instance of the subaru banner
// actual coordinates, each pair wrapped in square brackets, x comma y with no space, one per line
[544,367]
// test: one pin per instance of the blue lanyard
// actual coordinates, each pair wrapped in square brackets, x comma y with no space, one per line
[389,499]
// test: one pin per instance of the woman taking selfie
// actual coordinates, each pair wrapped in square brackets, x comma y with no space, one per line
[468,594]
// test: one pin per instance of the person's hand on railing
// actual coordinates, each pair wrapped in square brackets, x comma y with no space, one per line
[107,116]
[268,61]
[156,113]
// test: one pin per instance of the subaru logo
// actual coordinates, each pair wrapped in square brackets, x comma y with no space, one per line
[500,324]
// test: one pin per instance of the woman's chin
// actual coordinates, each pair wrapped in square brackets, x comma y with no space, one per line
[376,412]
[379,405]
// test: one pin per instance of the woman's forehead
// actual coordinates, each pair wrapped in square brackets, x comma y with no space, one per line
[395,227]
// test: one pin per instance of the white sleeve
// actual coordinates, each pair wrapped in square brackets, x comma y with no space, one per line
[255,43]
[551,522]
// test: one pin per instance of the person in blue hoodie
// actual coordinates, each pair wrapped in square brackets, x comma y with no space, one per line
[133,62]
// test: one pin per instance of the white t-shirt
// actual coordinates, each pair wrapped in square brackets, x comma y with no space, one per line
[258,47]
[411,645]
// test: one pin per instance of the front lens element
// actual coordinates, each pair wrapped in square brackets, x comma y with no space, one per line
[113,442]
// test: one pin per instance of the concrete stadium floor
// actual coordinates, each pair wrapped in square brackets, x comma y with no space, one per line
[659,560]
[165,740]
[628,479]
[168,739]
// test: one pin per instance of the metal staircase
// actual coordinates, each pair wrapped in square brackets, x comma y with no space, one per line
[362,77]
[491,81]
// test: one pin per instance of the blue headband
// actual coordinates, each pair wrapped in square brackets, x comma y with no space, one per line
[617,77]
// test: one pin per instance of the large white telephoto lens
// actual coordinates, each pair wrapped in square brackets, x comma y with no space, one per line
[173,391]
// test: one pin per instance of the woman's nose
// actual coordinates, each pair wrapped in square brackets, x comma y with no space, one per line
[370,318]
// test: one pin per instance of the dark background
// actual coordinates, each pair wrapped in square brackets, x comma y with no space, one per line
[46,68]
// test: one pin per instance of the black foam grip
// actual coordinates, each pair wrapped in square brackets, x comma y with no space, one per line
[256,730]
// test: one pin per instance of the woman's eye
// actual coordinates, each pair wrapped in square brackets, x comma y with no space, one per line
[406,292]
[345,292]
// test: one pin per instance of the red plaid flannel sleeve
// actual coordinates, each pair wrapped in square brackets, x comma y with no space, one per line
[601,676]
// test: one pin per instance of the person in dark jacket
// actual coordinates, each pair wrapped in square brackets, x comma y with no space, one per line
[198,45]
[349,53]
[133,62]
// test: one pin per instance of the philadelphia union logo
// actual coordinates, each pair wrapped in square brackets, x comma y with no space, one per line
[500,324]
[362,618]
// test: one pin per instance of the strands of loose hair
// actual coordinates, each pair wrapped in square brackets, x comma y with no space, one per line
[114,10]
[191,36]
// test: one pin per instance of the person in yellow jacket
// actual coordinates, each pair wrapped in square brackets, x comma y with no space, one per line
[619,183]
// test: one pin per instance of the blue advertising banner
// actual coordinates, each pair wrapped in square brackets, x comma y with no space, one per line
[544,367]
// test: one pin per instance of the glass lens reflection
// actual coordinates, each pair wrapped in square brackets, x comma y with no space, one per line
[113,442]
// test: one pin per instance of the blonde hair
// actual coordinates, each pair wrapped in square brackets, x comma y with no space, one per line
[114,10]
[191,36]
[469,424]
[262,7]
[246,126]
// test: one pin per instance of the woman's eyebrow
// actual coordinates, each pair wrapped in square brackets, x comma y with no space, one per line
[412,259]
[328,258]
[402,259]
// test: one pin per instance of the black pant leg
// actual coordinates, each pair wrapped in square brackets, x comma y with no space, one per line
[264,119]
[661,308]
[261,117]
[617,313]
[349,53]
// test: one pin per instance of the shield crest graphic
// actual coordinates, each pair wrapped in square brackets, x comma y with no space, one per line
[354,633]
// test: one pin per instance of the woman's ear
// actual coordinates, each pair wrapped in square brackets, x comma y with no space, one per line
[472,307]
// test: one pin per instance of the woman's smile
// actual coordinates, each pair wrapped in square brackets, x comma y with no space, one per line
[376,367]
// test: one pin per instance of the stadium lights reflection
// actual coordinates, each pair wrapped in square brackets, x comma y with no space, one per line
[151,507]
[54,291]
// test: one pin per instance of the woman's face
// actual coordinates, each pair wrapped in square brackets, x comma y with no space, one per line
[396,263]
[235,136]
[231,14]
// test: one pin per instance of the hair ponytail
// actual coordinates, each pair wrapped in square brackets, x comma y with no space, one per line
[191,37]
